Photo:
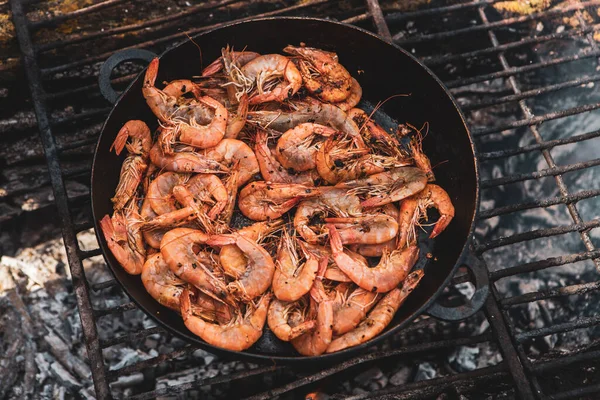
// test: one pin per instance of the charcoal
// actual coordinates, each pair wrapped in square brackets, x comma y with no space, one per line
[401,376]
[425,371]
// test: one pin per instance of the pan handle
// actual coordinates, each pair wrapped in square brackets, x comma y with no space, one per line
[106,70]
[479,273]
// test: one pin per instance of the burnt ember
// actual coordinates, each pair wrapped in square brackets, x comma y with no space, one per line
[525,75]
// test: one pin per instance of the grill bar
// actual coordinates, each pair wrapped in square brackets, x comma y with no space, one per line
[506,22]
[568,34]
[52,21]
[377,15]
[572,198]
[368,358]
[135,27]
[543,264]
[197,384]
[538,146]
[172,38]
[547,294]
[90,332]
[130,369]
[582,322]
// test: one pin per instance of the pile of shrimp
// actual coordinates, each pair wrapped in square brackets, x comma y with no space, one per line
[336,202]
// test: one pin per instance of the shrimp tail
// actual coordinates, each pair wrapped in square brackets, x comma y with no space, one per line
[440,225]
[335,239]
[151,72]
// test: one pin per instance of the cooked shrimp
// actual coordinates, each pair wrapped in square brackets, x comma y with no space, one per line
[160,191]
[293,276]
[203,136]
[387,187]
[353,98]
[377,250]
[420,159]
[390,271]
[232,259]
[236,121]
[376,137]
[260,201]
[265,73]
[354,308]
[124,238]
[151,236]
[272,171]
[379,317]
[230,152]
[241,58]
[258,275]
[415,207]
[177,248]
[333,273]
[184,162]
[237,335]
[321,308]
[324,114]
[279,316]
[135,165]
[367,229]
[161,283]
[168,105]
[310,213]
[180,87]
[323,75]
[207,189]
[231,185]
[297,147]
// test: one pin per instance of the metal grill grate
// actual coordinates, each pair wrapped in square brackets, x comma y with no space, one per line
[501,69]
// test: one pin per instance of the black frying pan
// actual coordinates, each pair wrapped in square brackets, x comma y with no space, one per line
[383,70]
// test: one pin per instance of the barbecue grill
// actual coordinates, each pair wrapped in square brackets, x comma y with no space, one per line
[524,82]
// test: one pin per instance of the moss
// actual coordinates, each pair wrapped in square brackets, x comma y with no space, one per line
[523,7]
[7,29]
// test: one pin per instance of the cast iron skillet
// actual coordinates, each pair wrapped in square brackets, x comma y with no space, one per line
[383,70]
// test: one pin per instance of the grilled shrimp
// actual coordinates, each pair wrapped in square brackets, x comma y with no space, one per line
[353,99]
[354,306]
[124,238]
[258,275]
[240,58]
[237,120]
[390,271]
[297,147]
[261,201]
[166,105]
[160,191]
[338,160]
[184,161]
[273,76]
[232,259]
[387,187]
[207,189]
[377,250]
[272,171]
[331,201]
[375,136]
[177,248]
[420,159]
[324,114]
[379,317]
[135,165]
[321,308]
[415,207]
[366,229]
[293,276]
[151,236]
[279,319]
[161,283]
[237,335]
[230,152]
[333,273]
[323,75]
[192,133]
[231,185]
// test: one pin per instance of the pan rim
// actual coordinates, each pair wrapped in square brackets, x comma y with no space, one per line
[328,357]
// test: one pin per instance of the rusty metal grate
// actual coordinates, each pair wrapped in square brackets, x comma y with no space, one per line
[502,70]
